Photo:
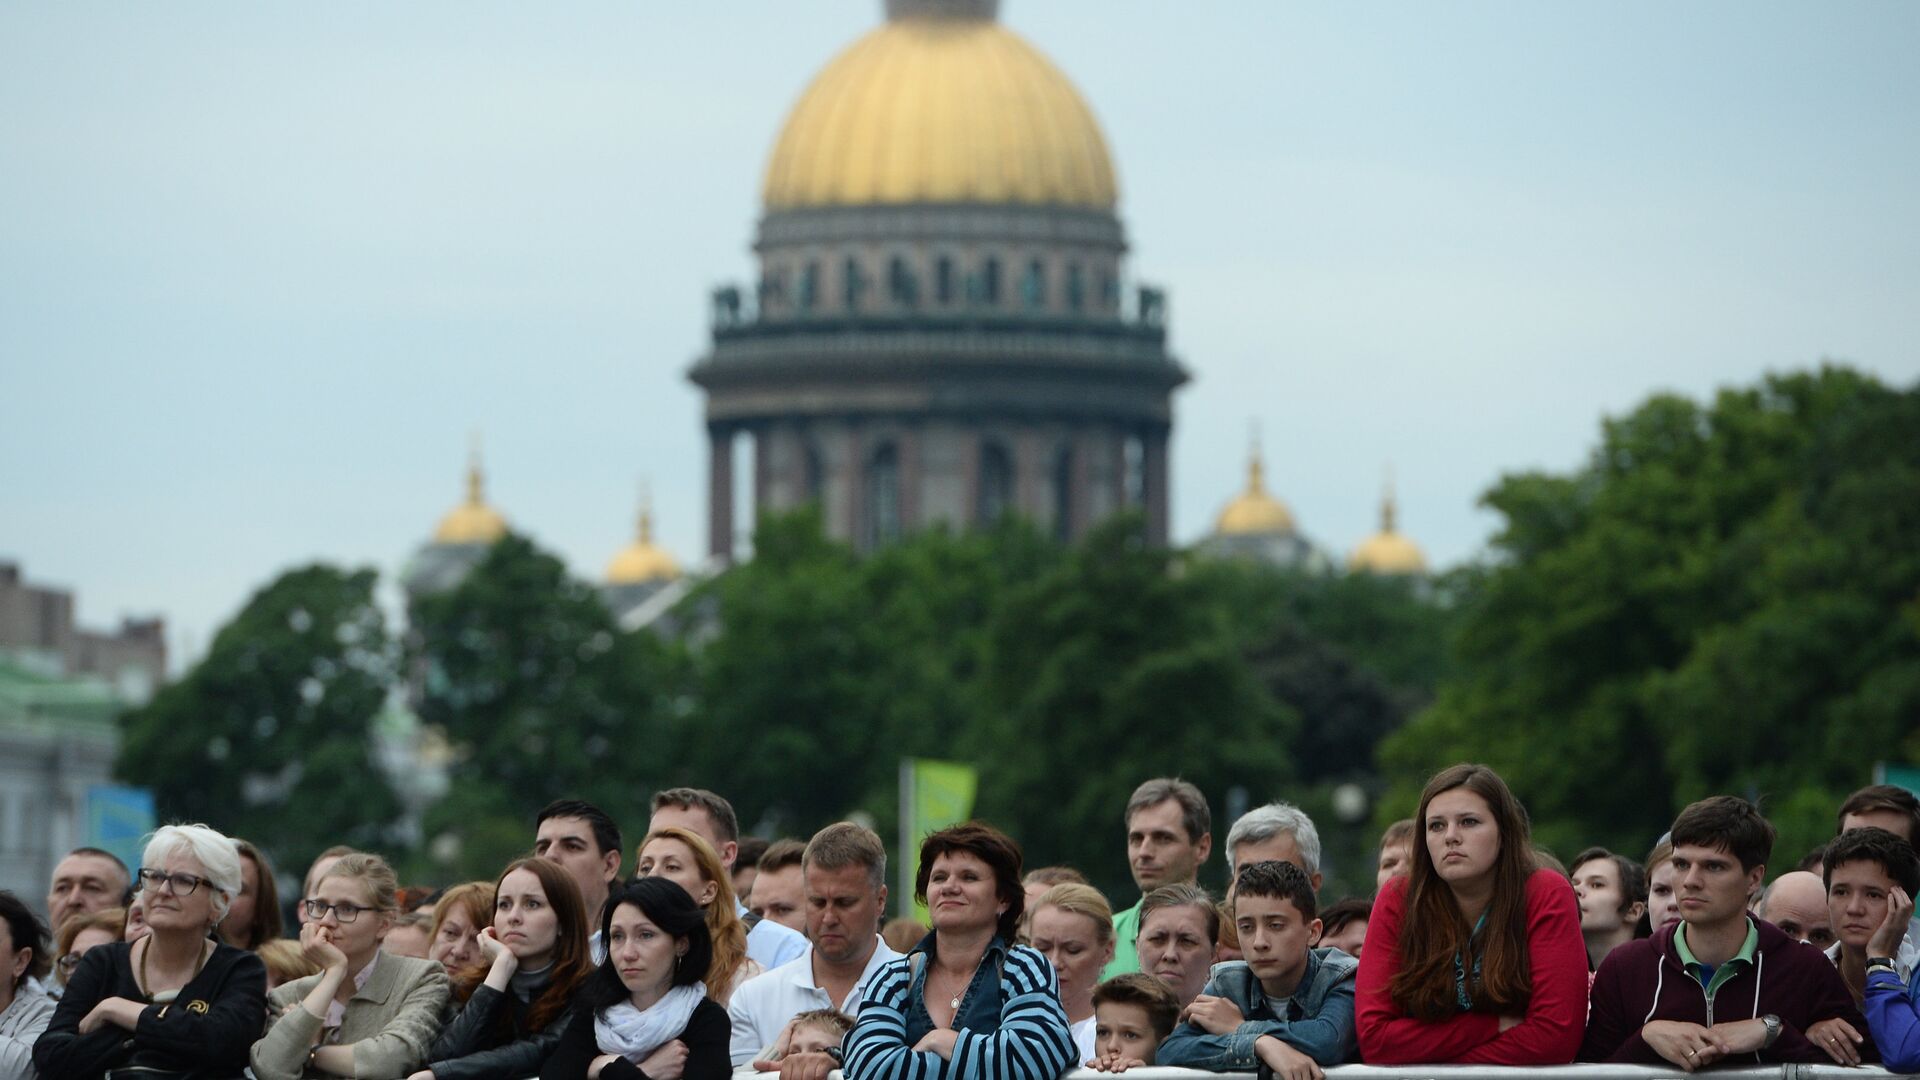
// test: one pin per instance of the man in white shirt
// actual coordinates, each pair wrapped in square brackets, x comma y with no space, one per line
[845,870]
[768,943]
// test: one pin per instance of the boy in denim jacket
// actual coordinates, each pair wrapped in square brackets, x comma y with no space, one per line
[1288,1004]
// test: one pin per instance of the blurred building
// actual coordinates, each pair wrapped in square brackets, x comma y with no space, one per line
[643,581]
[940,332]
[37,630]
[58,740]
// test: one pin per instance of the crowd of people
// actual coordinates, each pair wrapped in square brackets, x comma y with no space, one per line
[722,954]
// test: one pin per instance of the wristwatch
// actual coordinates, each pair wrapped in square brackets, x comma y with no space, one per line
[1882,963]
[1773,1030]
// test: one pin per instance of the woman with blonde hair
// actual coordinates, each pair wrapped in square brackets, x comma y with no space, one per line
[1072,926]
[684,857]
[367,1013]
[462,912]
[176,1001]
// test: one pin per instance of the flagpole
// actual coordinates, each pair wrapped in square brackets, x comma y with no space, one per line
[904,898]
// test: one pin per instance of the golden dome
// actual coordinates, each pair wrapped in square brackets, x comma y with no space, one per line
[1254,512]
[473,521]
[940,104]
[1387,552]
[641,562]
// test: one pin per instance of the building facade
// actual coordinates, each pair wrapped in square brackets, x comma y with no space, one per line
[941,332]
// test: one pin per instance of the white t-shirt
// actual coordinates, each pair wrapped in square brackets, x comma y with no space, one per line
[763,1005]
[1083,1038]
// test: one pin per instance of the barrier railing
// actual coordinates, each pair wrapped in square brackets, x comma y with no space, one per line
[1513,1073]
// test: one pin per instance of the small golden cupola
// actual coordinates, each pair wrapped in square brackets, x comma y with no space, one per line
[1387,552]
[473,521]
[642,562]
[1254,512]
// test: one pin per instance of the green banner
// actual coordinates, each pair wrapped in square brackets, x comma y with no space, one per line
[933,795]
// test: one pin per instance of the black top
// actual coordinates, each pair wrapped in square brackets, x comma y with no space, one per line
[708,1037]
[477,1045]
[208,1027]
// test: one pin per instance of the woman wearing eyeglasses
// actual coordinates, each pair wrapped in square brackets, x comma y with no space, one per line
[177,1000]
[367,1013]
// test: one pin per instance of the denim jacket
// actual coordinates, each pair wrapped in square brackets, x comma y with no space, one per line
[1317,1020]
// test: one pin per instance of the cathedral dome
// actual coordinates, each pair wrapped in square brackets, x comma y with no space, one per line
[642,562]
[1254,512]
[1387,552]
[941,104]
[473,521]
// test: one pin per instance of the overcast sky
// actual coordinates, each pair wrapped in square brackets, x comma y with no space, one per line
[264,267]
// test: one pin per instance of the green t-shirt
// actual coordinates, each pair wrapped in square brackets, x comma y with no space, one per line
[1126,925]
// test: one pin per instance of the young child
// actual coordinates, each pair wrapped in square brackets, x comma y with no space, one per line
[1287,1005]
[809,1032]
[1132,1015]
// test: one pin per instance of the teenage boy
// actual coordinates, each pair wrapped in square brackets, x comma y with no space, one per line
[1867,871]
[1288,1005]
[1719,985]
[1613,896]
[1132,1015]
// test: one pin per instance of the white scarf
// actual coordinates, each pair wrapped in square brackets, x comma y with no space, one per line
[633,1033]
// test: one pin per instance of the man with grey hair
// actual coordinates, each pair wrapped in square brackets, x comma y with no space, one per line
[844,873]
[1276,832]
[1169,836]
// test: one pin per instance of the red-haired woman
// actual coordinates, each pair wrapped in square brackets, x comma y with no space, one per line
[1476,956]
[517,1006]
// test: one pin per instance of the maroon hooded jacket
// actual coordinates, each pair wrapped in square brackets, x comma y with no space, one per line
[1642,981]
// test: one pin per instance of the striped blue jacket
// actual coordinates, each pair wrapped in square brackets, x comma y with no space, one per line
[1033,1043]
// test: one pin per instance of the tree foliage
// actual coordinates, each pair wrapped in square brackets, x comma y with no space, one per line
[270,736]
[1723,600]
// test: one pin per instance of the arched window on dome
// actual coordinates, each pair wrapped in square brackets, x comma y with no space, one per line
[1109,292]
[809,285]
[883,496]
[852,283]
[1133,485]
[903,288]
[987,283]
[1076,288]
[1033,286]
[995,497]
[943,289]
[1063,493]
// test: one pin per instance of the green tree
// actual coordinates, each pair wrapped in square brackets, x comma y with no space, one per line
[1722,601]
[269,736]
[1107,669]
[542,697]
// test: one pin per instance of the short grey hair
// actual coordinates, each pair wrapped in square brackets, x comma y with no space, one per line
[1193,805]
[845,844]
[216,854]
[1263,823]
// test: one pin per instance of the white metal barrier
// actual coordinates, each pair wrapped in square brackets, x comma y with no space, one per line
[1545,1072]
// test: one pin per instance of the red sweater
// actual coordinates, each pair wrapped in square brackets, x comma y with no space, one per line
[1556,1013]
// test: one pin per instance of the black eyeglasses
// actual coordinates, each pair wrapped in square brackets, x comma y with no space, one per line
[346,913]
[177,884]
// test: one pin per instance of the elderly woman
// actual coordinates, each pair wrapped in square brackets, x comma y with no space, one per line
[177,1000]
[966,1003]
[366,1013]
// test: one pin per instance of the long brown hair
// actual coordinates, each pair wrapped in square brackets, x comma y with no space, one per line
[729,934]
[1434,931]
[266,924]
[572,962]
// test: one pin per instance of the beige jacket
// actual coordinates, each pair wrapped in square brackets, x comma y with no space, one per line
[390,1022]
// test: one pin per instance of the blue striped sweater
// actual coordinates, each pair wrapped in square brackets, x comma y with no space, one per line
[1032,1043]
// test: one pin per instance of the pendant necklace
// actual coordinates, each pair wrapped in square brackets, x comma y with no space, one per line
[954,1001]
